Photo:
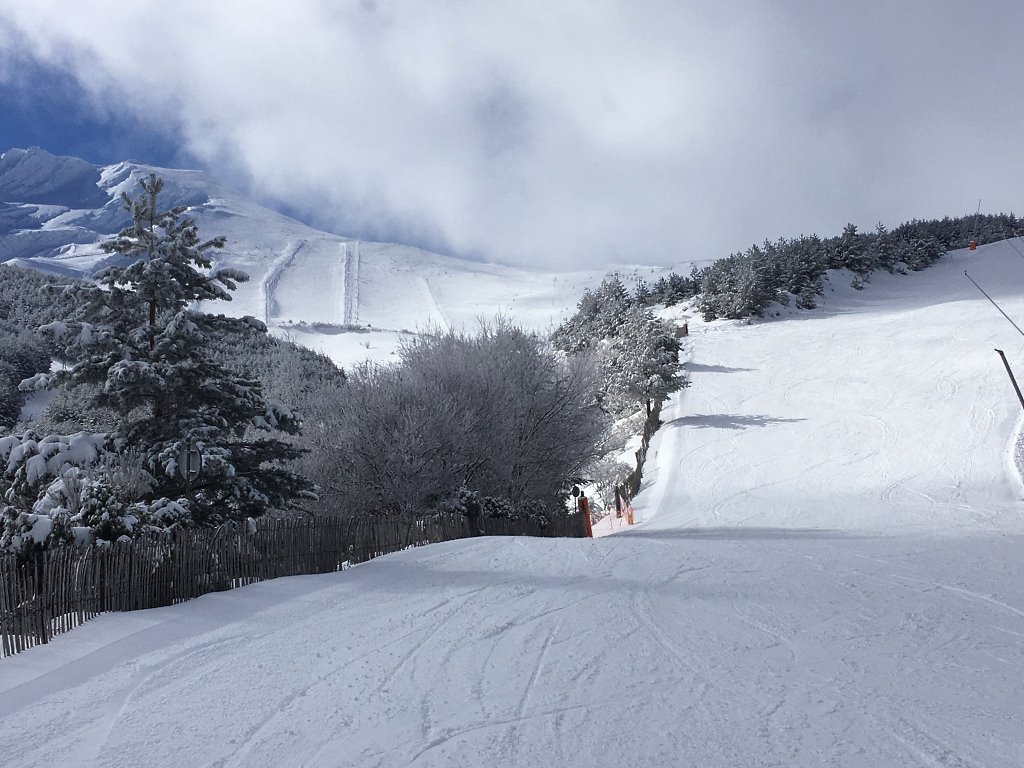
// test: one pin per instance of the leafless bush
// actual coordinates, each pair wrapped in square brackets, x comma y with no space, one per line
[496,411]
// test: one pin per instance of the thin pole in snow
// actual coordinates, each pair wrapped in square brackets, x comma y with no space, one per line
[1011,241]
[1013,380]
[994,303]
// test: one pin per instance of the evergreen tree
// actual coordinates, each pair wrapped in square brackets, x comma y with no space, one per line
[643,293]
[672,289]
[883,251]
[758,283]
[135,337]
[923,252]
[599,315]
[851,252]
[642,361]
[802,263]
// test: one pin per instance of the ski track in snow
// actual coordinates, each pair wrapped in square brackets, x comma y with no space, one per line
[819,580]
[352,285]
[350,282]
[437,306]
[273,277]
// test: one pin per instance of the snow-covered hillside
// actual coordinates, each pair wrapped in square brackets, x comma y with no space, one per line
[829,572]
[888,409]
[313,285]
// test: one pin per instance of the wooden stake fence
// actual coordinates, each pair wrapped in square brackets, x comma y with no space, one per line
[53,591]
[631,485]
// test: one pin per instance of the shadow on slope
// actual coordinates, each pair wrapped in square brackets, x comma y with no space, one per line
[728,421]
[744,534]
[701,368]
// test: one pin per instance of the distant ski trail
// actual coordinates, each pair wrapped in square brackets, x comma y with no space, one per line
[345,258]
[437,304]
[273,277]
[350,286]
[357,263]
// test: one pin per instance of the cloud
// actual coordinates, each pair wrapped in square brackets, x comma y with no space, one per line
[573,133]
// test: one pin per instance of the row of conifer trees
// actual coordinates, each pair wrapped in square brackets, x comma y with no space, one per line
[791,270]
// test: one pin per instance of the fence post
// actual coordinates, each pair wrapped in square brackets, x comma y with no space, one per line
[41,596]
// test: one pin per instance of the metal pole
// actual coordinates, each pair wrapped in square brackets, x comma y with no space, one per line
[188,468]
[994,303]
[1010,240]
[1012,379]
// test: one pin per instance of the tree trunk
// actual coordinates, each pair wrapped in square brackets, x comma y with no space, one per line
[152,324]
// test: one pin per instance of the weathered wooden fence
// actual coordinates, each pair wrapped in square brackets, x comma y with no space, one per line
[56,590]
[631,486]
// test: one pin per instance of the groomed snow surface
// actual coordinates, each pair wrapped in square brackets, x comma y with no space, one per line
[829,572]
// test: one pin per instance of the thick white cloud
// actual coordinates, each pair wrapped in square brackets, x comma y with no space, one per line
[574,132]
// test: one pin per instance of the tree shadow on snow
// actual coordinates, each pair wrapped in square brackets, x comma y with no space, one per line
[743,533]
[415,571]
[728,421]
[701,368]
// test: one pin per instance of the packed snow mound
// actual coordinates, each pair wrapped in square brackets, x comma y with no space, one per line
[350,299]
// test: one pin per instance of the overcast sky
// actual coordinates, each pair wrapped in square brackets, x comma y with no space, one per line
[557,132]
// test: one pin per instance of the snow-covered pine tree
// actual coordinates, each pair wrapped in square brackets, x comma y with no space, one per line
[882,250]
[851,252]
[137,337]
[923,252]
[755,284]
[811,256]
[642,361]
[598,315]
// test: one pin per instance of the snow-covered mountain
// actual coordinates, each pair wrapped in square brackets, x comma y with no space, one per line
[312,284]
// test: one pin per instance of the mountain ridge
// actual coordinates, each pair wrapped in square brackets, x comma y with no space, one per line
[55,211]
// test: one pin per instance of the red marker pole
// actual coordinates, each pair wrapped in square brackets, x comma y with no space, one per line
[585,509]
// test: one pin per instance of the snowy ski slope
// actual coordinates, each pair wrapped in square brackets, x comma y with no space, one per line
[887,410]
[829,572]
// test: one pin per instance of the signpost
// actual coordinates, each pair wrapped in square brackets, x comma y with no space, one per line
[190,464]
[583,507]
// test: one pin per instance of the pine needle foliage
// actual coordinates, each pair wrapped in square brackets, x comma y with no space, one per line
[135,344]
